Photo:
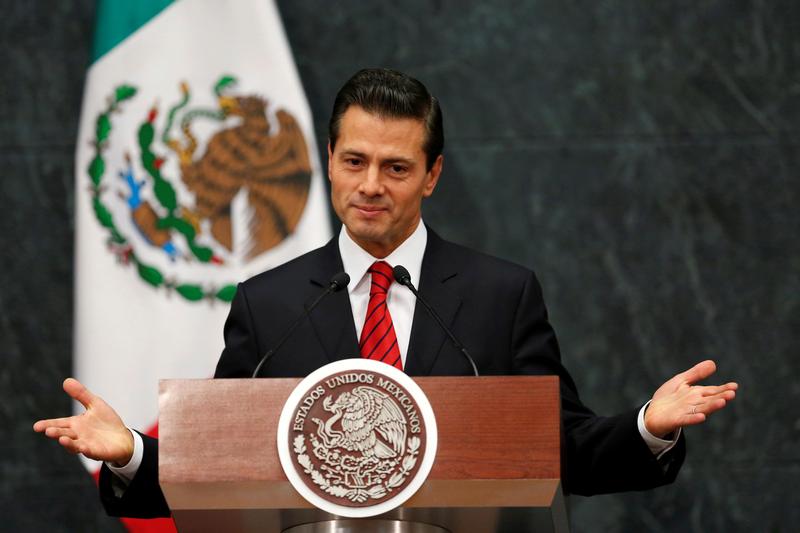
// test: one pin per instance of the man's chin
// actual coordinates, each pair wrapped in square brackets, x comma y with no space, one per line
[365,234]
[366,224]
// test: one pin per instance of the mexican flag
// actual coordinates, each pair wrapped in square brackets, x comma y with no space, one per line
[196,168]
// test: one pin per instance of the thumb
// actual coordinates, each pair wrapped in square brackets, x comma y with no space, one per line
[78,392]
[700,371]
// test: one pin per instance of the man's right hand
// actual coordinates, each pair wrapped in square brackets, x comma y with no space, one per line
[98,433]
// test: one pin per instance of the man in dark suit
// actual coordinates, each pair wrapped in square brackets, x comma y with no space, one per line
[385,145]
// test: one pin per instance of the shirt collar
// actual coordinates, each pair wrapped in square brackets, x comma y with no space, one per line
[356,260]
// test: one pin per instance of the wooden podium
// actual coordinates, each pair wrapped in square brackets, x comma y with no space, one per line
[497,466]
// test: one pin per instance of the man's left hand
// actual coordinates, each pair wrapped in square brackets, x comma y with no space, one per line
[679,402]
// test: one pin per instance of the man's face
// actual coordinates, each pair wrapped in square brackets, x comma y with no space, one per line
[378,178]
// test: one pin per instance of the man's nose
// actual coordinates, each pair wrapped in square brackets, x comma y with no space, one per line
[371,185]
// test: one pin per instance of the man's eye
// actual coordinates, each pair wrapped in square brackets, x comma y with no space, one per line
[353,162]
[398,169]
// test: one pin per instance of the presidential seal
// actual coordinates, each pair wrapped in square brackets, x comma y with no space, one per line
[357,438]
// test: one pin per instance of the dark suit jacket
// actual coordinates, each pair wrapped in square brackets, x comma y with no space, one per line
[494,307]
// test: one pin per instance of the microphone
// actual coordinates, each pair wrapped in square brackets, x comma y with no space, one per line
[402,277]
[338,282]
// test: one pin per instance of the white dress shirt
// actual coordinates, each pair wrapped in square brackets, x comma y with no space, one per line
[401,303]
[399,300]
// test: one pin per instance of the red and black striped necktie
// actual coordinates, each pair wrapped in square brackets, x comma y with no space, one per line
[378,339]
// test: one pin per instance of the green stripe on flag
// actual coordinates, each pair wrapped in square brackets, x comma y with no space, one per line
[117,19]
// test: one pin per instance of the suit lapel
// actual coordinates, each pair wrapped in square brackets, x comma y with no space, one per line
[333,319]
[427,338]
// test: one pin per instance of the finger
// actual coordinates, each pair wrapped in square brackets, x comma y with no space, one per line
[699,372]
[692,419]
[726,395]
[712,406]
[710,394]
[76,447]
[710,390]
[78,392]
[707,407]
[71,445]
[42,425]
[54,433]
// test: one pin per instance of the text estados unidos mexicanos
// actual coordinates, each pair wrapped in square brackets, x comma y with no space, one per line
[358,377]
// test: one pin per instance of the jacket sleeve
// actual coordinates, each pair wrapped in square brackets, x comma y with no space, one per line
[142,498]
[600,454]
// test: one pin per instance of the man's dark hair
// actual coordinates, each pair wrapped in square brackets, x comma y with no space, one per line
[391,94]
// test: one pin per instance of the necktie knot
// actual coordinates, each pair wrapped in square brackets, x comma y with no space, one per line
[382,277]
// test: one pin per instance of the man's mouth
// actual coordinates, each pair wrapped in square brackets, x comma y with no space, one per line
[369,210]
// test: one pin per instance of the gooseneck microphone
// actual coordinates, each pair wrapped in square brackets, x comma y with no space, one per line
[338,282]
[402,277]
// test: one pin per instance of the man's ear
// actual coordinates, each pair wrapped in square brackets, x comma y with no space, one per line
[433,176]
[330,159]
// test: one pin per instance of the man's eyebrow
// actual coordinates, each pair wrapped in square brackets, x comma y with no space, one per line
[355,153]
[394,160]
[385,161]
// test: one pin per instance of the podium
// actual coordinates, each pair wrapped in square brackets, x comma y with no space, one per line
[497,467]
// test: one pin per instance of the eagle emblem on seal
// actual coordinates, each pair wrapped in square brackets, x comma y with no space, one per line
[363,448]
[372,424]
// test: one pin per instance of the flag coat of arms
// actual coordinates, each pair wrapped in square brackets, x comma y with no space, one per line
[196,168]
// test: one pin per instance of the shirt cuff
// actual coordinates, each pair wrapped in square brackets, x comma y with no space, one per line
[658,446]
[127,472]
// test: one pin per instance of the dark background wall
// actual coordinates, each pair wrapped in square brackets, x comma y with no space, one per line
[641,156]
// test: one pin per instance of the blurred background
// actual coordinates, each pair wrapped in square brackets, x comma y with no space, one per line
[641,157]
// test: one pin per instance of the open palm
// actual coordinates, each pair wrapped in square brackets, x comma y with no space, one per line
[98,433]
[680,402]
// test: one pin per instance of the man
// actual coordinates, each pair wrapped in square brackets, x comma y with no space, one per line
[384,157]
